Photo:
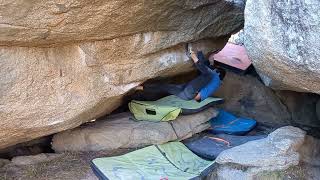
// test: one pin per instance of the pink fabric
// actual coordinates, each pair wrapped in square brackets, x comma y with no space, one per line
[232,55]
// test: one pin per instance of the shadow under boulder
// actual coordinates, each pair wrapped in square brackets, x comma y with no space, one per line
[247,96]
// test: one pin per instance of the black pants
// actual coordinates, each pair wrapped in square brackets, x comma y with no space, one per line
[189,90]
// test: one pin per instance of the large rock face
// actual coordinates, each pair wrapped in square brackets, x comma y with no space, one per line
[65,63]
[41,22]
[246,96]
[282,39]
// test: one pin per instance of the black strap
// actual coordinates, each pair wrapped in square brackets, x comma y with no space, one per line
[165,156]
[175,132]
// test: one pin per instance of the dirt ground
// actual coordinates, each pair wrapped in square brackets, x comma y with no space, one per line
[76,166]
[71,166]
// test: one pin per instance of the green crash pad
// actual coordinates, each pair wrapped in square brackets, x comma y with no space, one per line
[172,161]
[169,108]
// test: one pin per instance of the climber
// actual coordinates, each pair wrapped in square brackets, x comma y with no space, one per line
[199,88]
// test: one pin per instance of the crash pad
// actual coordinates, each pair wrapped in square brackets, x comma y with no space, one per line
[233,57]
[227,123]
[167,161]
[169,108]
[210,146]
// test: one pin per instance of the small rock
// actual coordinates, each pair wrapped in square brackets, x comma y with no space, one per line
[278,151]
[28,160]
[237,38]
[120,131]
[3,162]
[310,151]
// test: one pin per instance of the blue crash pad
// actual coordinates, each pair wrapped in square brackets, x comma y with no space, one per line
[227,123]
[209,147]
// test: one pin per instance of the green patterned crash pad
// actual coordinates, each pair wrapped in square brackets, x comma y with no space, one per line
[171,161]
[169,108]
